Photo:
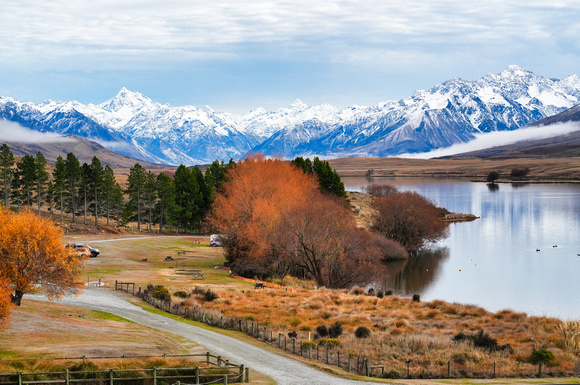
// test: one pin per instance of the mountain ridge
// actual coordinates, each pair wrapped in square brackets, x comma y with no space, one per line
[449,113]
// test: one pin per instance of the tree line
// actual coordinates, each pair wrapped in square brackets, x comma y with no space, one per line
[91,189]
[278,220]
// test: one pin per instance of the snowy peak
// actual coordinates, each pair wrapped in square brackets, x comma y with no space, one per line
[449,113]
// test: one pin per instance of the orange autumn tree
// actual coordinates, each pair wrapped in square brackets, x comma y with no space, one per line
[5,302]
[34,259]
[276,222]
[248,210]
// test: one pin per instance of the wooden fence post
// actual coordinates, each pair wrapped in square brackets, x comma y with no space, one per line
[540,369]
[284,343]
[338,359]
[294,345]
[247,378]
[367,368]
[225,379]
[327,355]
[154,375]
[219,361]
[207,357]
[310,351]
[19,378]
[197,374]
[449,369]
[110,376]
[279,340]
[494,369]
[349,363]
[67,380]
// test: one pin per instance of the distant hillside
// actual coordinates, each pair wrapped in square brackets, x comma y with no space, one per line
[84,150]
[561,146]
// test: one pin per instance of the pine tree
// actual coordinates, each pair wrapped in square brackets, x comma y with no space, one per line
[59,184]
[41,179]
[86,177]
[166,202]
[73,176]
[108,186]
[150,196]
[27,173]
[96,186]
[187,194]
[6,172]
[137,176]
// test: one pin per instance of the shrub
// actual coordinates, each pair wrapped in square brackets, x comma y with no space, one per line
[389,292]
[358,291]
[292,334]
[484,341]
[209,296]
[542,355]
[362,332]
[519,172]
[492,176]
[380,294]
[160,292]
[480,340]
[329,342]
[308,344]
[393,375]
[180,294]
[416,298]
[322,331]
[335,330]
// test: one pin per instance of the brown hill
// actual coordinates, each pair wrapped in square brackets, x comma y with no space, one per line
[84,149]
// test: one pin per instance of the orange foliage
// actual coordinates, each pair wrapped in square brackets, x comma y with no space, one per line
[254,198]
[5,302]
[33,257]
[277,222]
[408,218]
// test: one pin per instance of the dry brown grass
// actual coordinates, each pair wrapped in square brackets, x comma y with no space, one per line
[403,329]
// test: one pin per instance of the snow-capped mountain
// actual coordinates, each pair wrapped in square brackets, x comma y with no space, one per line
[449,113]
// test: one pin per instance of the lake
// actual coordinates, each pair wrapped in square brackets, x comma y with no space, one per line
[522,254]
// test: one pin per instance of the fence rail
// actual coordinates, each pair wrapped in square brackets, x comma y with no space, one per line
[332,356]
[219,371]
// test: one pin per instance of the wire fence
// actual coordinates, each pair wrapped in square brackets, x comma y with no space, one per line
[326,354]
[217,370]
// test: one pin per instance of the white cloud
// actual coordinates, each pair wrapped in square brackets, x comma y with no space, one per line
[15,133]
[500,138]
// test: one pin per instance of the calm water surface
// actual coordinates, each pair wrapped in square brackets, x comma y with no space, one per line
[493,261]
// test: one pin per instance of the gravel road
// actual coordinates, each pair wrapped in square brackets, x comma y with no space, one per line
[283,370]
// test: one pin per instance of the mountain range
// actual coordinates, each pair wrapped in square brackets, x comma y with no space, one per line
[452,112]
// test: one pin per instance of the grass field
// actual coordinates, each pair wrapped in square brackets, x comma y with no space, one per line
[401,329]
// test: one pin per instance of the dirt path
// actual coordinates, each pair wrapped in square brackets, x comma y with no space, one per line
[283,370]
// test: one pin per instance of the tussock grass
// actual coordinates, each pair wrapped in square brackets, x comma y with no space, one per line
[402,329]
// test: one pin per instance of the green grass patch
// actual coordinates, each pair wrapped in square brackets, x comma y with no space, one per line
[97,314]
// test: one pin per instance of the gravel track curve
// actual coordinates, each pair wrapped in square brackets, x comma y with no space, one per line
[283,370]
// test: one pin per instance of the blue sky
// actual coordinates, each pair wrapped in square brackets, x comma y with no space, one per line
[239,55]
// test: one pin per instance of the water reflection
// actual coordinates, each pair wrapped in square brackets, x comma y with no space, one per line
[492,262]
[415,274]
[492,187]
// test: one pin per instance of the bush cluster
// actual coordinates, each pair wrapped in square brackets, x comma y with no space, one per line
[159,292]
[480,340]
[362,332]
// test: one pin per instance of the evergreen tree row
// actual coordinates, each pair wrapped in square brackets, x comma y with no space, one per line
[92,190]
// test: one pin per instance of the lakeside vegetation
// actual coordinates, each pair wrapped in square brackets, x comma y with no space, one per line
[431,335]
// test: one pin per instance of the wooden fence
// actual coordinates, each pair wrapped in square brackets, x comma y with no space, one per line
[332,356]
[220,371]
